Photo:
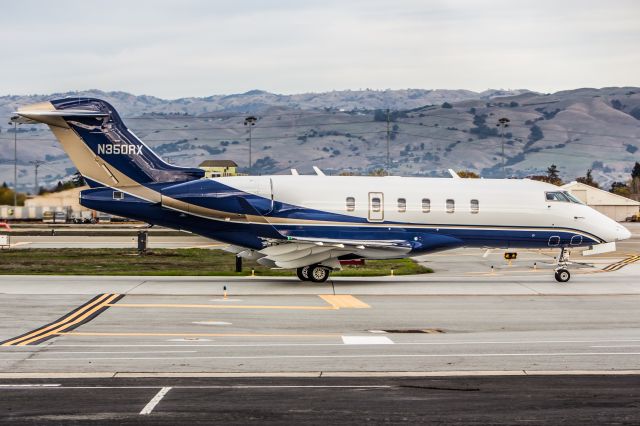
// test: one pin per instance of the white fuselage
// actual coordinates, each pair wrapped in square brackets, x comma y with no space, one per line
[497,202]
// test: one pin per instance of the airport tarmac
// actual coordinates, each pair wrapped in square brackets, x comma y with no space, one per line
[571,350]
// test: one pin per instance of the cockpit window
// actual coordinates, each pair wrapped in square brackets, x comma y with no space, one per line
[564,196]
[571,197]
[557,196]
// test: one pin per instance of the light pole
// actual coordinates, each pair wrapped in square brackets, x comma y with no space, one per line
[36,164]
[15,162]
[388,146]
[250,121]
[503,123]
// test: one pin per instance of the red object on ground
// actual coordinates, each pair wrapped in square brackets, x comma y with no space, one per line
[5,225]
[352,262]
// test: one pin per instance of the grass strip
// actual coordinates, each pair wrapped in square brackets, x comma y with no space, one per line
[169,262]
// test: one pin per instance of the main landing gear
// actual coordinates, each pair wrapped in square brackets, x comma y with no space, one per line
[562,273]
[313,273]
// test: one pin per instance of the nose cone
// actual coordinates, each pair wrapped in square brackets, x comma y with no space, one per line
[622,233]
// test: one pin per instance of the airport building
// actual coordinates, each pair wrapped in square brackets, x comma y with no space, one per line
[69,199]
[57,207]
[219,168]
[615,206]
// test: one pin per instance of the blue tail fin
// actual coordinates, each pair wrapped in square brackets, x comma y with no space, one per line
[115,156]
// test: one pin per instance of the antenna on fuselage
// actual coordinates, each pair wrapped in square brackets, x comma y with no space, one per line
[318,171]
[294,172]
[453,174]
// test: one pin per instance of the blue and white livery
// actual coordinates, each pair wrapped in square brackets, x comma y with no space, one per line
[311,223]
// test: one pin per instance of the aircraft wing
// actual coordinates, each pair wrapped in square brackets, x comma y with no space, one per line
[296,252]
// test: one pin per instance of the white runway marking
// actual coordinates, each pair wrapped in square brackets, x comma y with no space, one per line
[366,340]
[450,355]
[617,346]
[226,345]
[109,352]
[25,385]
[154,401]
[211,323]
[22,243]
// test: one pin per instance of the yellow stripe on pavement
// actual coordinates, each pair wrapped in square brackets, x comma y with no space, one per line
[195,306]
[344,301]
[139,334]
[64,321]
[62,327]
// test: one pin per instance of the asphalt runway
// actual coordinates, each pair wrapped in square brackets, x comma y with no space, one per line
[456,346]
[574,400]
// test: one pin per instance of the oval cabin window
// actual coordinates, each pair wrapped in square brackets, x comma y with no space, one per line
[475,206]
[351,204]
[402,205]
[426,205]
[375,204]
[451,206]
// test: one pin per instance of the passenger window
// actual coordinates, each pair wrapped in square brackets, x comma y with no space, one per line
[475,206]
[426,205]
[451,205]
[117,195]
[375,204]
[351,204]
[402,205]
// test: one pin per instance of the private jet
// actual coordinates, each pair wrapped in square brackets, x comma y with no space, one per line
[315,223]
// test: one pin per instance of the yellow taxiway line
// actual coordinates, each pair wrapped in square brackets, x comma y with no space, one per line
[193,306]
[335,301]
[80,333]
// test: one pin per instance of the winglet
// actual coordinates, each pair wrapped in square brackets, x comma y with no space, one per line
[453,174]
[318,171]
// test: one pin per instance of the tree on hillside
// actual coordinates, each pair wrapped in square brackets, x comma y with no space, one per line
[447,105]
[468,174]
[588,180]
[620,188]
[6,196]
[635,179]
[378,172]
[77,180]
[536,134]
[554,175]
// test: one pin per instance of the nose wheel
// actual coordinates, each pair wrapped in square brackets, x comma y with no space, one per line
[562,274]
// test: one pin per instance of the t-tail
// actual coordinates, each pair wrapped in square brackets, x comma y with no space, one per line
[103,149]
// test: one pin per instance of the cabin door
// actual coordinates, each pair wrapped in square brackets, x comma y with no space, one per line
[376,207]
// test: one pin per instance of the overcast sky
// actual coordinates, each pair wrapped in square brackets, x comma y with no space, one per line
[184,48]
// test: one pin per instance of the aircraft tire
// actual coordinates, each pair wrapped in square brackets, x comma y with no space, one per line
[303,273]
[562,275]
[318,274]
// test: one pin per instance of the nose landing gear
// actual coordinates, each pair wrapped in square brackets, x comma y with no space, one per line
[562,274]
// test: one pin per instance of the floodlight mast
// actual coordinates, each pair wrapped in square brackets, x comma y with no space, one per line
[250,121]
[503,123]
